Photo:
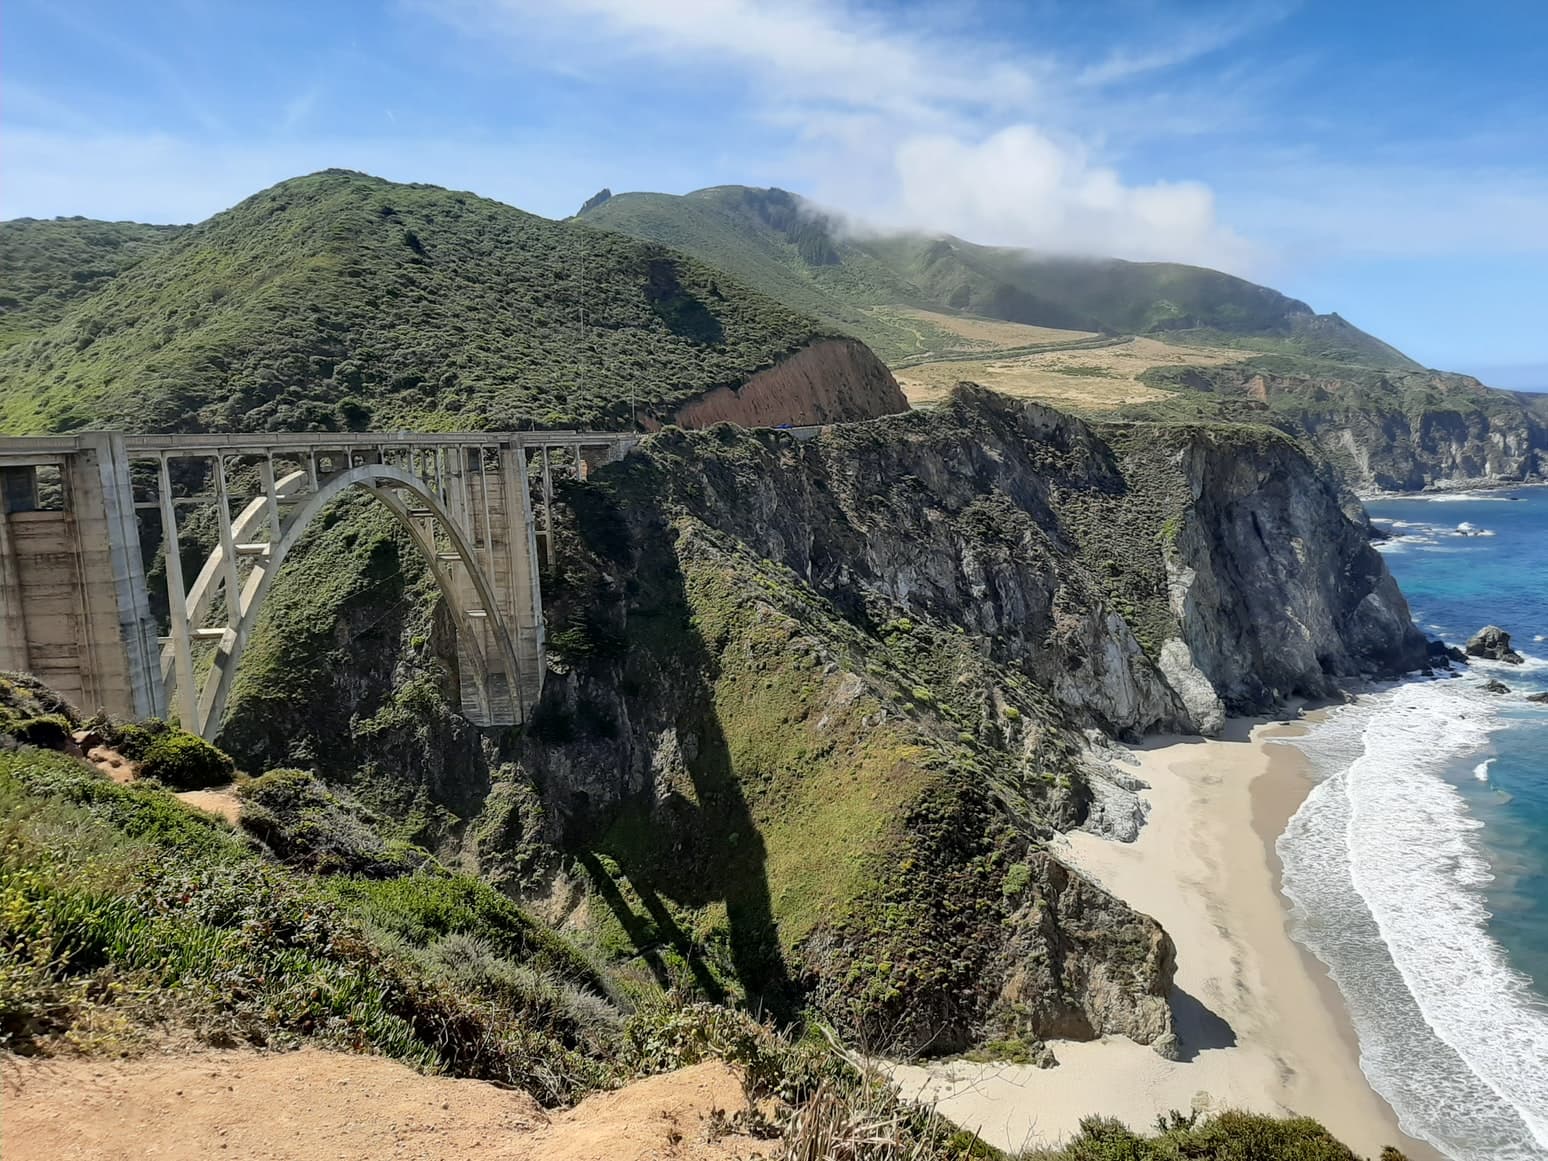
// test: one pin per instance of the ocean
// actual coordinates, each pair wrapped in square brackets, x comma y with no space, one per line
[1417,869]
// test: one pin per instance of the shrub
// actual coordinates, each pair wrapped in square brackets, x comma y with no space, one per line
[51,731]
[1228,1136]
[308,825]
[184,761]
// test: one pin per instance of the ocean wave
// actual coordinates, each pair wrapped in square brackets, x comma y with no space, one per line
[1462,497]
[1481,771]
[1385,873]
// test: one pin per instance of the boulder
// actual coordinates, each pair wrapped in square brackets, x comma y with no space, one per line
[1496,687]
[1437,654]
[1539,698]
[1493,643]
[1167,1047]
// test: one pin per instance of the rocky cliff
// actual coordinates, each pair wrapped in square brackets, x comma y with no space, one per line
[817,704]
[1089,559]
[1384,430]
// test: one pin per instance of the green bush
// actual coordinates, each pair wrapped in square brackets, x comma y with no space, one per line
[184,761]
[1228,1136]
[306,824]
[1017,876]
[424,908]
[51,731]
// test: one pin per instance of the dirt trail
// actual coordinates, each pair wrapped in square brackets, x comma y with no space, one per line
[323,1106]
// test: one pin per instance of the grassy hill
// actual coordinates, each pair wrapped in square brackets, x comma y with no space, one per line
[45,266]
[342,300]
[783,246]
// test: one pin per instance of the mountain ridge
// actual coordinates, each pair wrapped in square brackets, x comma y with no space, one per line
[832,259]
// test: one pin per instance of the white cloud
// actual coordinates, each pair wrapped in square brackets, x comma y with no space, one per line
[931,128]
[1020,187]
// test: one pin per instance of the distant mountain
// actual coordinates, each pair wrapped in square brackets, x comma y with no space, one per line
[782,245]
[342,300]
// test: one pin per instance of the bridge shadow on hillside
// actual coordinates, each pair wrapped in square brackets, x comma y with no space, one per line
[691,840]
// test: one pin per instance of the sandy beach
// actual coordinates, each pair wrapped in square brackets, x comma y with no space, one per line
[1262,1026]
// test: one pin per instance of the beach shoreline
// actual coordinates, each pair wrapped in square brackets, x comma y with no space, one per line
[1263,1027]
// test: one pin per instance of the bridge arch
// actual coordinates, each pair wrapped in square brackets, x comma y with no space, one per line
[419,509]
[75,603]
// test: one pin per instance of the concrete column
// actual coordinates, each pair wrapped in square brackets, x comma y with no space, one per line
[526,595]
[14,654]
[186,700]
[137,627]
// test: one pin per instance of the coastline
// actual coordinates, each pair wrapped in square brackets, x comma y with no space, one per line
[1263,1026]
[1453,489]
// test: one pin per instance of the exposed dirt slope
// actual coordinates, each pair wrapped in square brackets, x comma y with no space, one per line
[304,1105]
[827,382]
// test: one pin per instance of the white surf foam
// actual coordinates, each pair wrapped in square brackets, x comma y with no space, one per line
[1382,865]
[1417,866]
[1460,497]
[1481,771]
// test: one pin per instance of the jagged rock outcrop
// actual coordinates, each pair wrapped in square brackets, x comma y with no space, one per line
[1148,576]
[1080,962]
[1493,644]
[1274,590]
[1388,430]
[830,381]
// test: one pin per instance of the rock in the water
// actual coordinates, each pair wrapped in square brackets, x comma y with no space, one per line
[1438,653]
[1539,698]
[1493,643]
[1496,687]
[1456,654]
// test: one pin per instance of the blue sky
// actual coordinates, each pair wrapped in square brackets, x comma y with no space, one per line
[1386,160]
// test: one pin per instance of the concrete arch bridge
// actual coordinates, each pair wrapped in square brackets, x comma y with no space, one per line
[75,605]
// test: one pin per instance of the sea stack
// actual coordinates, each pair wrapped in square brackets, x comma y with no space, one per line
[1493,643]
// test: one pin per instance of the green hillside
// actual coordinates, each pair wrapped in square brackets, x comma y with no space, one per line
[786,248]
[45,266]
[341,300]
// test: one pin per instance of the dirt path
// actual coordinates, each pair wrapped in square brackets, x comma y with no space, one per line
[322,1106]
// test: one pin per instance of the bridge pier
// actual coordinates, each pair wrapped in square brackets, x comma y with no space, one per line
[74,610]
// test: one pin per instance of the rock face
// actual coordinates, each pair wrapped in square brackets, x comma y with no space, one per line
[1081,962]
[1493,644]
[830,381]
[1274,590]
[1148,576]
[1392,430]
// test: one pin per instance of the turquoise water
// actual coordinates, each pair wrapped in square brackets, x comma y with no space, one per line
[1418,867]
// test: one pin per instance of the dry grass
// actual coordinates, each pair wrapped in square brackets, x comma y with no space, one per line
[1098,379]
[974,334]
